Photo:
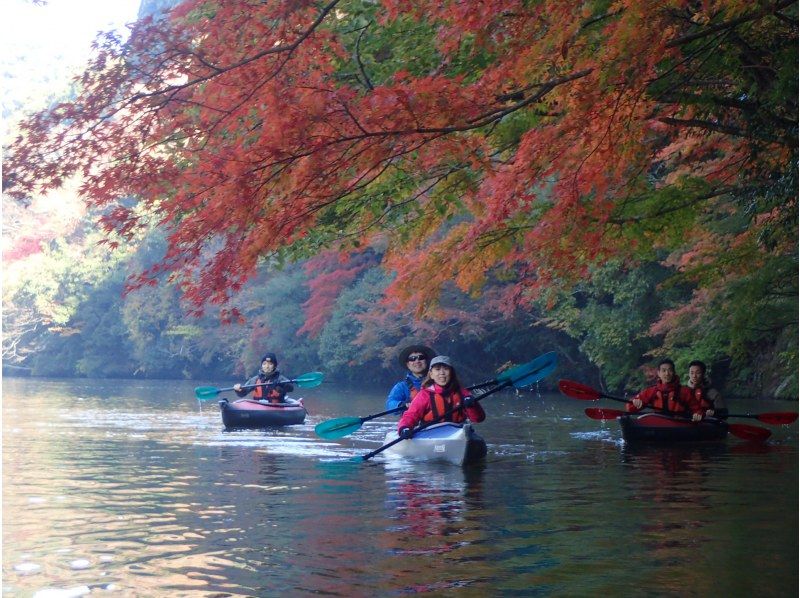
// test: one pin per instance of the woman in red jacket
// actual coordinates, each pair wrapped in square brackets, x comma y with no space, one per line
[441,398]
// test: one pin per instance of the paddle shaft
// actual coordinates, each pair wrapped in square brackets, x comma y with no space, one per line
[776,419]
[744,431]
[577,390]
[343,426]
[521,375]
[414,431]
[309,380]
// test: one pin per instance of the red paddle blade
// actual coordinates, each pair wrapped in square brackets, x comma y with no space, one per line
[603,414]
[777,419]
[576,390]
[746,432]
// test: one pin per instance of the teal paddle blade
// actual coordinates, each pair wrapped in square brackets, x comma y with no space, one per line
[337,428]
[531,372]
[309,380]
[206,392]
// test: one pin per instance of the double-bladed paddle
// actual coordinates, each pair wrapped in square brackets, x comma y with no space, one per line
[576,390]
[342,426]
[779,418]
[755,433]
[309,380]
[518,377]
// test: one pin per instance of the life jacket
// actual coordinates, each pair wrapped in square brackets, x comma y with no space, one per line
[273,393]
[441,404]
[700,398]
[669,401]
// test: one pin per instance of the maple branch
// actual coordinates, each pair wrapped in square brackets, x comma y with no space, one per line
[395,206]
[673,208]
[747,106]
[544,89]
[588,23]
[685,39]
[279,49]
[788,141]
[358,59]
[475,123]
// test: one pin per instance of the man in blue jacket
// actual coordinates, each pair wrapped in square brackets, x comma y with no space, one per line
[415,359]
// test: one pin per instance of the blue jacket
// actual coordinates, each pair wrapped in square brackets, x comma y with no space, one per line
[400,392]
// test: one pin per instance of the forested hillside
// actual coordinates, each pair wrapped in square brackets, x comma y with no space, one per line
[616,181]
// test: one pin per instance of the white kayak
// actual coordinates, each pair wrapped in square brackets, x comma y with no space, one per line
[453,443]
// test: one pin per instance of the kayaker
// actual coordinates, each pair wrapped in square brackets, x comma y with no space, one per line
[415,359]
[701,388]
[668,395]
[441,398]
[279,385]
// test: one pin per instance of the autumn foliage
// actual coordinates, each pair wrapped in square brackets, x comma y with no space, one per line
[517,144]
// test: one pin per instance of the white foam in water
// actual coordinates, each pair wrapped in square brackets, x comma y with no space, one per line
[602,435]
[80,564]
[27,567]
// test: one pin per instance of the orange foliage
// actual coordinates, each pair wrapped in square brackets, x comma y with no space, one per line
[229,123]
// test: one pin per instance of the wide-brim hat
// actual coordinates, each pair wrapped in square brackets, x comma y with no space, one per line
[427,351]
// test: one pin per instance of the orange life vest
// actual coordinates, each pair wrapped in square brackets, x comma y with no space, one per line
[440,404]
[671,403]
[270,393]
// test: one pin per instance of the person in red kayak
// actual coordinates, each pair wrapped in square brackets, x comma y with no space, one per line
[441,398]
[279,385]
[708,397]
[668,395]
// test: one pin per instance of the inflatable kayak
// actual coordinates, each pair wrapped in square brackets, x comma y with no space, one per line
[656,427]
[250,413]
[454,443]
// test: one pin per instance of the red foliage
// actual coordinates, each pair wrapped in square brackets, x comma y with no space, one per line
[229,122]
[328,274]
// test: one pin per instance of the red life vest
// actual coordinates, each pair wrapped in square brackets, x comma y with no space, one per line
[440,404]
[670,402]
[700,398]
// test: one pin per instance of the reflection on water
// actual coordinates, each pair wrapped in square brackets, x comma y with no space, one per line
[137,491]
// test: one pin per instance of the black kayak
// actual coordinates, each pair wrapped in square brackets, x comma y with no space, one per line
[657,427]
[250,413]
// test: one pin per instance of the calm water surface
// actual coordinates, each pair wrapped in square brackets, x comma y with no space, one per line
[124,488]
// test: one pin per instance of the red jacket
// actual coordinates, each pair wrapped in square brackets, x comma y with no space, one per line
[671,397]
[701,397]
[431,399]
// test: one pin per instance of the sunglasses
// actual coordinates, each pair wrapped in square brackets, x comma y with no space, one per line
[417,358]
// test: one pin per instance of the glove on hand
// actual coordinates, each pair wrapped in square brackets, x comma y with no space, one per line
[404,432]
[469,401]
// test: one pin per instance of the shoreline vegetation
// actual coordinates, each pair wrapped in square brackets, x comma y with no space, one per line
[619,187]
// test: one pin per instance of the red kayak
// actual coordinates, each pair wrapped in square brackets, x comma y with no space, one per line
[250,413]
[657,427]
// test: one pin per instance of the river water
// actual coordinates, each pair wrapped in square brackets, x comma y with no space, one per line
[130,488]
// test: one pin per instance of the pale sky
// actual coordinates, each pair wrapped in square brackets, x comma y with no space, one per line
[44,43]
[41,48]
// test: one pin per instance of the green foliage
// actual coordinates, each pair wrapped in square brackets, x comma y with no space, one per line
[338,349]
[610,313]
[272,305]
[754,316]
[403,44]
